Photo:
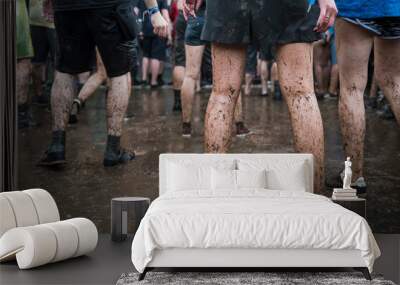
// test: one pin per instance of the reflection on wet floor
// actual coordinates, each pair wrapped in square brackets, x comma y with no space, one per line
[84,187]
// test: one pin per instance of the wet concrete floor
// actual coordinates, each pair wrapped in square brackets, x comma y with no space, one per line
[84,187]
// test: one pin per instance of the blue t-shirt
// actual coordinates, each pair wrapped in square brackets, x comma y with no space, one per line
[368,9]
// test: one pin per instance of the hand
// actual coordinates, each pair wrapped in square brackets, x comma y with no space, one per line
[160,25]
[189,7]
[327,15]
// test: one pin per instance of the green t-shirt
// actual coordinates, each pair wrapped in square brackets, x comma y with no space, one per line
[36,14]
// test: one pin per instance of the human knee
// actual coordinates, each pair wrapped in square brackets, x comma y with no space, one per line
[192,74]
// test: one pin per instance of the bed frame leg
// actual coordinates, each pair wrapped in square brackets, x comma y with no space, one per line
[143,274]
[364,271]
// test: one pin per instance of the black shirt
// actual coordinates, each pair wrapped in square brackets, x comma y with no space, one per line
[69,5]
[147,26]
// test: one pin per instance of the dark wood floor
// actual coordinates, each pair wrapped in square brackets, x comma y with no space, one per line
[110,260]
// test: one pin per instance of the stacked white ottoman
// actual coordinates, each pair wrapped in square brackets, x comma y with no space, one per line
[31,230]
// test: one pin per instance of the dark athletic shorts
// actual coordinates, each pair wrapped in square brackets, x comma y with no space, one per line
[154,47]
[267,53]
[180,29]
[261,22]
[251,60]
[193,31]
[385,28]
[78,32]
[44,44]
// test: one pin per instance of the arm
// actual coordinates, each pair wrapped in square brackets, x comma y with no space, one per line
[165,15]
[159,23]
[189,7]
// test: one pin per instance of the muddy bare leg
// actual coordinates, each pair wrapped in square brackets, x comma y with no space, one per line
[334,80]
[22,91]
[117,103]
[228,70]
[155,66]
[62,94]
[264,77]
[297,85]
[24,68]
[194,55]
[177,79]
[387,66]
[354,46]
[238,115]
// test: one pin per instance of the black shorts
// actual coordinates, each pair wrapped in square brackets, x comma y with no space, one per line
[78,32]
[267,53]
[193,31]
[180,28]
[154,47]
[44,44]
[251,60]
[261,22]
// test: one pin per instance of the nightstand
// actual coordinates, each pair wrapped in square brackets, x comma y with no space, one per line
[357,205]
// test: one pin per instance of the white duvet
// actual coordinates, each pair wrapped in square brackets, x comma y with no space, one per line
[250,219]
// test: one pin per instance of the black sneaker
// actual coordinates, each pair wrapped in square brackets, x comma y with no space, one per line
[120,157]
[241,129]
[55,155]
[114,154]
[186,130]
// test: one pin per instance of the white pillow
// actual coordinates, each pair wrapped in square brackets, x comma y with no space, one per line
[223,179]
[183,178]
[251,178]
[282,174]
[188,174]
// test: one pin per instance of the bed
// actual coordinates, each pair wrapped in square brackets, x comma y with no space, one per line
[247,211]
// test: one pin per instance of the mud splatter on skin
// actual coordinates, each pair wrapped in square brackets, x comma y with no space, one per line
[95,80]
[296,79]
[194,55]
[117,103]
[62,95]
[228,70]
[353,72]
[23,73]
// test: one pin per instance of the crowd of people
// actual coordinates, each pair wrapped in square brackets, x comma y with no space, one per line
[298,51]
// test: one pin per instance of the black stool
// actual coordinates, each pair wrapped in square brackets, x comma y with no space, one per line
[120,208]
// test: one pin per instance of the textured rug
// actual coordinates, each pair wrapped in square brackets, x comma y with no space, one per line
[244,278]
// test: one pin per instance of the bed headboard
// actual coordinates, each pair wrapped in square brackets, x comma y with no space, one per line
[204,157]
